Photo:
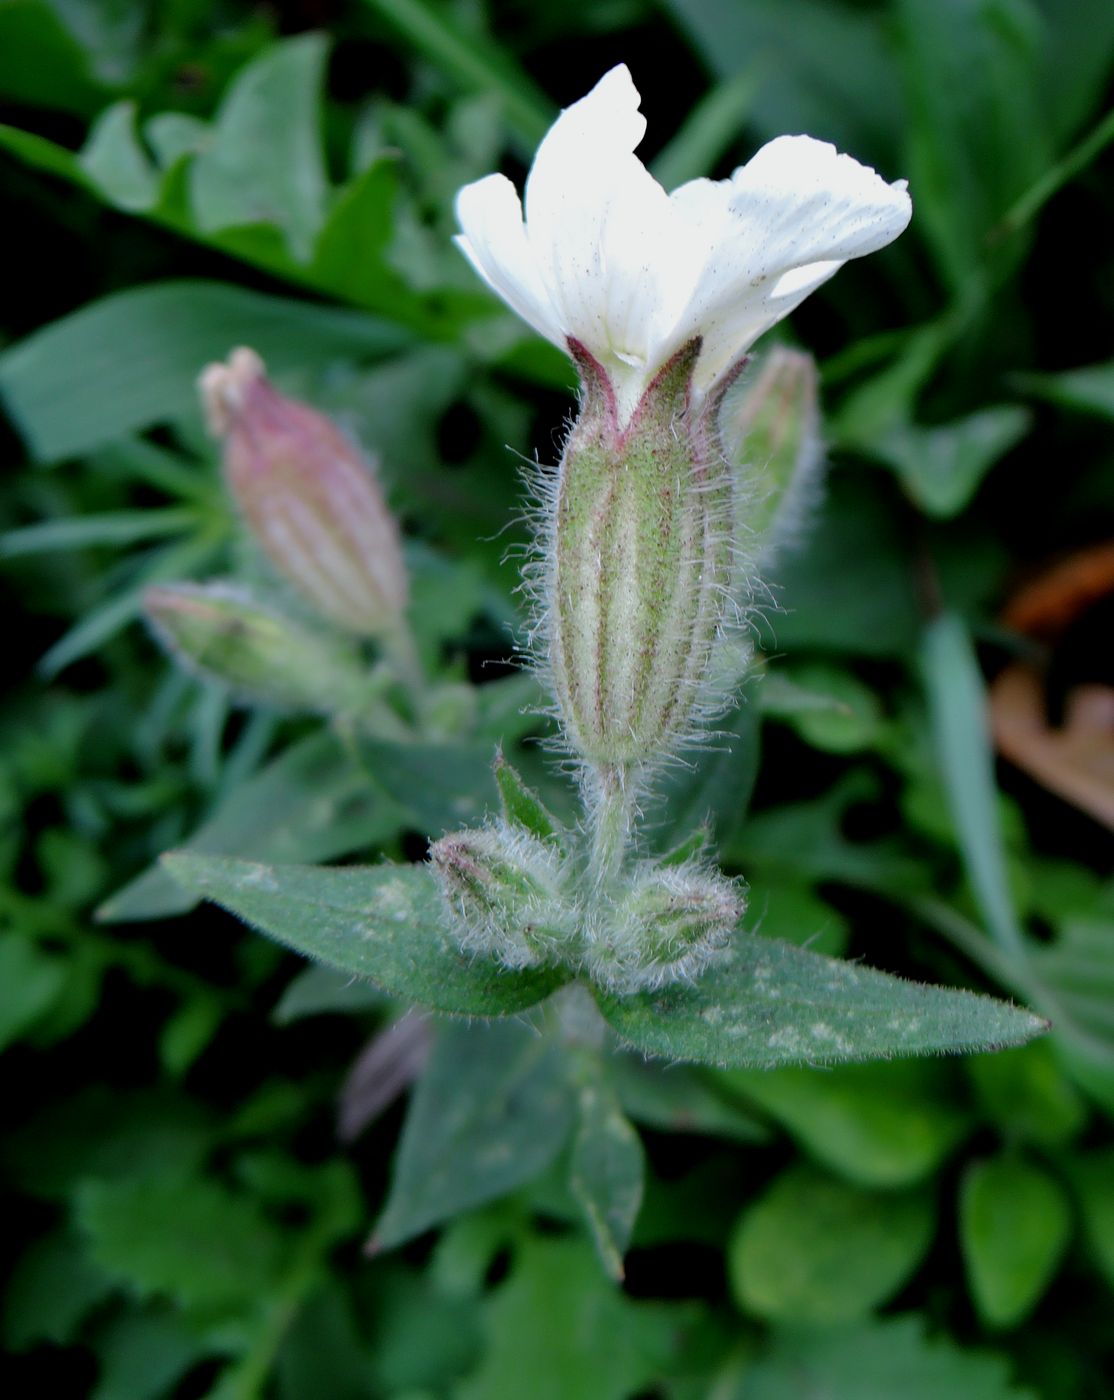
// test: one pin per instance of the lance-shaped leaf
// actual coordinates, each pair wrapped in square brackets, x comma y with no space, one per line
[768,1003]
[492,1109]
[606,1171]
[384,922]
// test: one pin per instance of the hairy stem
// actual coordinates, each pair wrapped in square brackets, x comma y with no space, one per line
[610,809]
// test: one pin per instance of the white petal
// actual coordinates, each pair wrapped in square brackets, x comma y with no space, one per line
[605,257]
[494,240]
[789,219]
[603,231]
[819,204]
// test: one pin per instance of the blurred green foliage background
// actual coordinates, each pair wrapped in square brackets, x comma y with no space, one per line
[185,176]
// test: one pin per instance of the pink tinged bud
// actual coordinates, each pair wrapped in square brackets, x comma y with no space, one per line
[667,928]
[503,891]
[641,565]
[772,432]
[219,630]
[309,497]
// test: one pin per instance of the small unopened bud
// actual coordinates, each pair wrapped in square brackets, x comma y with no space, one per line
[773,434]
[504,895]
[667,928]
[221,631]
[639,566]
[309,497]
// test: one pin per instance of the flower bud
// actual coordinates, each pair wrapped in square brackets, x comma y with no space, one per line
[639,566]
[774,429]
[667,927]
[221,631]
[309,497]
[503,891]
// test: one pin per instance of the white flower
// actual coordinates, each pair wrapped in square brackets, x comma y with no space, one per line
[605,257]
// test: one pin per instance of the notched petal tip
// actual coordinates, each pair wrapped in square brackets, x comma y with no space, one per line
[808,166]
[607,119]
[615,92]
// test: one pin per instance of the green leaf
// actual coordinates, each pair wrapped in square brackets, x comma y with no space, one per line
[713,788]
[1075,975]
[521,805]
[957,705]
[184,1238]
[386,923]
[44,155]
[317,991]
[143,1353]
[699,1207]
[1089,389]
[594,1340]
[606,1171]
[1077,42]
[103,1133]
[263,163]
[349,255]
[1027,1094]
[41,63]
[311,803]
[472,60]
[830,709]
[1014,1226]
[820,67]
[491,1110]
[804,841]
[30,982]
[52,1289]
[119,527]
[161,337]
[942,467]
[680,1099]
[187,1032]
[115,161]
[789,910]
[883,1125]
[172,135]
[1093,1178]
[325,1353]
[979,133]
[437,785]
[423,1341]
[852,589]
[877,1361]
[767,1004]
[814,1251]
[101,623]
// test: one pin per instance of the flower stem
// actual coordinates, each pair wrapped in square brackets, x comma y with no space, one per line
[611,824]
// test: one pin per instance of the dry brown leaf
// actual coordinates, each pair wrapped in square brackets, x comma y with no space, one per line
[1075,761]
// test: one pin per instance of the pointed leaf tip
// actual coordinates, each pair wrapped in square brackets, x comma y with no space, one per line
[768,1003]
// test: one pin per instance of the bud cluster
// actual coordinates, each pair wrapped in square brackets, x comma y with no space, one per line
[517,890]
[505,890]
[666,928]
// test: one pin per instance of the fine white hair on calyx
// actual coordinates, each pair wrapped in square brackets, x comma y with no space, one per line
[705,691]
